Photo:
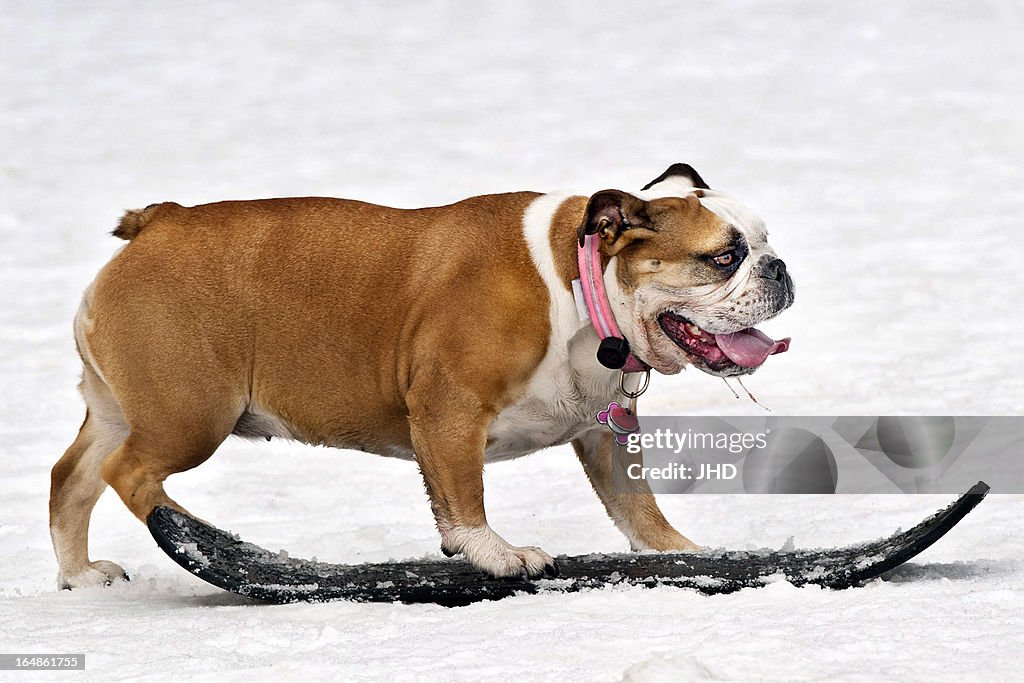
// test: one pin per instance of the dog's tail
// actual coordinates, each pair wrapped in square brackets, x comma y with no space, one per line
[132,222]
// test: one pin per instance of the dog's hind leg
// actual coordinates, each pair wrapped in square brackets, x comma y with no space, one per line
[151,453]
[134,460]
[76,485]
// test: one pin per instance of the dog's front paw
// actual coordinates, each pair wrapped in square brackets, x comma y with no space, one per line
[99,573]
[527,561]
[490,553]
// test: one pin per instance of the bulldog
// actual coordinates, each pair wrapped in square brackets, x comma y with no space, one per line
[449,335]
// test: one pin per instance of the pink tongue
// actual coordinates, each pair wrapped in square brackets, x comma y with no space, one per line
[750,347]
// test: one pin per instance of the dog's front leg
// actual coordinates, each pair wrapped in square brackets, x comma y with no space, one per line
[629,502]
[448,426]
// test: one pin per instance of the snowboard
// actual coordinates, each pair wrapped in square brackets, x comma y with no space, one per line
[227,562]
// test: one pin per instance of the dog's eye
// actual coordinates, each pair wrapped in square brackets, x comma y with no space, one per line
[726,260]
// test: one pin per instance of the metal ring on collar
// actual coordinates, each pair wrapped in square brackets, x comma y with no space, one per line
[640,390]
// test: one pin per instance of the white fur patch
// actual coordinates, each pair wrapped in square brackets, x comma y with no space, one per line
[83,325]
[489,552]
[99,573]
[569,387]
[537,230]
[673,186]
[735,213]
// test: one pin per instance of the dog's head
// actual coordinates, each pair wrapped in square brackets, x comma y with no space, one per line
[690,274]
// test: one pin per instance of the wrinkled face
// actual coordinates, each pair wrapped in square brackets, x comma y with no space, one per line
[689,277]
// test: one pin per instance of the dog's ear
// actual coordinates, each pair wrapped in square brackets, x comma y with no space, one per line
[679,173]
[617,217]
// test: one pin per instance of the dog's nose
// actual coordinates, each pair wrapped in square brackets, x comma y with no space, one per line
[776,270]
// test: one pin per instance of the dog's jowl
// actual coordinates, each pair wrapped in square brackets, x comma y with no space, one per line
[451,336]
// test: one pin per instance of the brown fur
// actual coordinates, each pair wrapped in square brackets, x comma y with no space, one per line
[682,233]
[667,230]
[293,293]
[354,325]
[132,222]
[564,235]
[628,502]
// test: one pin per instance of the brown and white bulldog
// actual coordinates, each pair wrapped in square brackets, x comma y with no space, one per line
[446,335]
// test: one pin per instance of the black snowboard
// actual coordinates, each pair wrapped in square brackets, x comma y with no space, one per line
[227,562]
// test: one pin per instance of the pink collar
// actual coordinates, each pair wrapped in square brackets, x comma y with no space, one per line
[614,350]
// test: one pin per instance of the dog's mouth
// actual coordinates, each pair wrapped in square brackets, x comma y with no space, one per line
[734,353]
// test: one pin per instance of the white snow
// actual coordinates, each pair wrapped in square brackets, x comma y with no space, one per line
[883,143]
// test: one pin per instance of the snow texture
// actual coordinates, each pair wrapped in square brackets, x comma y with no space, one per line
[882,142]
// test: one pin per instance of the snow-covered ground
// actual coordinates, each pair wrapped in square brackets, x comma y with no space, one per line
[883,143]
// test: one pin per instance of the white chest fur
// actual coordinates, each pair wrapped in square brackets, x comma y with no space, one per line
[569,387]
[560,403]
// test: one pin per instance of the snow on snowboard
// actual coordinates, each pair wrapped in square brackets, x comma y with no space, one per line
[227,562]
